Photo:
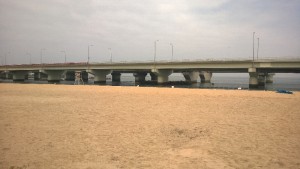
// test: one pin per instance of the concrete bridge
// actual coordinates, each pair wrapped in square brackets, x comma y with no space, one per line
[260,71]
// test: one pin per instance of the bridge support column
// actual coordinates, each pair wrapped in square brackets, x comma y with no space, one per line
[140,77]
[54,76]
[116,77]
[36,76]
[253,79]
[269,77]
[6,75]
[2,75]
[19,76]
[153,77]
[191,76]
[261,79]
[40,76]
[9,75]
[85,76]
[70,76]
[205,76]
[100,75]
[162,75]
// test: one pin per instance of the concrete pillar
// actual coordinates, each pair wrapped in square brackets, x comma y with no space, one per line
[205,76]
[162,75]
[269,77]
[70,76]
[9,75]
[100,75]
[54,76]
[253,79]
[191,76]
[40,76]
[153,77]
[116,77]
[19,76]
[140,77]
[36,76]
[6,75]
[3,75]
[261,79]
[85,76]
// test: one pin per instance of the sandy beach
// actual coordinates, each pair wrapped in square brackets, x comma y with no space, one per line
[91,127]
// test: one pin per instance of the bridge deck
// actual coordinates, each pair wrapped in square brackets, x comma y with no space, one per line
[276,66]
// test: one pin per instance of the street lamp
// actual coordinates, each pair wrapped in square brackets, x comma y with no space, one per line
[110,54]
[65,55]
[172,49]
[5,59]
[29,57]
[89,53]
[257,47]
[42,55]
[155,49]
[253,45]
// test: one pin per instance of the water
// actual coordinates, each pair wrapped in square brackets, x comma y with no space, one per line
[287,81]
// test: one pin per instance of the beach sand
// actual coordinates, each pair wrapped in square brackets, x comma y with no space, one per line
[91,127]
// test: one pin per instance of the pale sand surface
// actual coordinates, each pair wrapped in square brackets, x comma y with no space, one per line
[89,127]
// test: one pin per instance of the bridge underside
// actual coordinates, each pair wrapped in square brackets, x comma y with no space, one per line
[259,77]
[260,72]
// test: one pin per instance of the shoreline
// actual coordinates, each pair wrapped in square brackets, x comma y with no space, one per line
[171,85]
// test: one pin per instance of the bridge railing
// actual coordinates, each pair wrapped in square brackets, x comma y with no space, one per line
[284,58]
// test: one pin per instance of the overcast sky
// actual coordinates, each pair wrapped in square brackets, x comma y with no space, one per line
[198,29]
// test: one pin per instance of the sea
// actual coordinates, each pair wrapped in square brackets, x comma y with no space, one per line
[284,81]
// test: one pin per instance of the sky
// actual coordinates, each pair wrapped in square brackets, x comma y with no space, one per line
[198,30]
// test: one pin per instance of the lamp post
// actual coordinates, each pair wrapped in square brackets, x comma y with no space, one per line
[172,49]
[65,55]
[253,46]
[257,48]
[155,49]
[89,53]
[110,54]
[42,55]
[29,54]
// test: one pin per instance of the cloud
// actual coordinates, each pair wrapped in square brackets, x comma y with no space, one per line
[198,29]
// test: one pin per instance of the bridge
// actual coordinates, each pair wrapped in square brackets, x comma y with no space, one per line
[260,71]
